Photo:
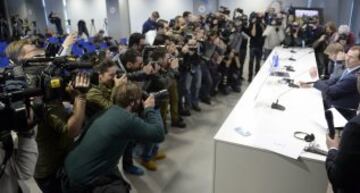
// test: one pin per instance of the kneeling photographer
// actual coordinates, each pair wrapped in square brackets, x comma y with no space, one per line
[105,138]
[58,128]
[99,99]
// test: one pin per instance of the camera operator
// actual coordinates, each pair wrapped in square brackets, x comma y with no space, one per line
[57,130]
[274,34]
[25,49]
[256,30]
[98,151]
[17,164]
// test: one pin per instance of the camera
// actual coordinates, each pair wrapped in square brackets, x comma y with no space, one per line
[160,95]
[15,100]
[224,10]
[53,74]
[239,10]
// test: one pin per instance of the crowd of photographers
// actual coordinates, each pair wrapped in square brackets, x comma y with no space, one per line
[95,109]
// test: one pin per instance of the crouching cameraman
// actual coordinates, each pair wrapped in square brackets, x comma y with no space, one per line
[98,151]
[17,165]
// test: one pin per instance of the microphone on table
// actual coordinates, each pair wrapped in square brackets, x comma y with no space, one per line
[276,105]
[296,59]
[330,122]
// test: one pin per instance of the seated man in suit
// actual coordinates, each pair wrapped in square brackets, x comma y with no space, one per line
[344,156]
[340,91]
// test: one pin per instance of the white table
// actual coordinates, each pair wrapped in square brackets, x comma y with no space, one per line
[241,165]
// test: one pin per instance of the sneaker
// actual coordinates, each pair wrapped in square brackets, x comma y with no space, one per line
[134,170]
[206,101]
[179,124]
[196,108]
[184,113]
[150,165]
[160,155]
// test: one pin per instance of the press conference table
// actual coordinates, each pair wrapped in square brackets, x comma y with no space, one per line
[243,163]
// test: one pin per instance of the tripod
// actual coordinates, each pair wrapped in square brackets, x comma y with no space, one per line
[92,27]
[105,26]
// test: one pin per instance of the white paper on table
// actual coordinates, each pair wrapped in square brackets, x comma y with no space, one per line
[283,145]
[339,120]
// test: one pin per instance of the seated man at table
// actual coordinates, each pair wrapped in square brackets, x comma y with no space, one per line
[93,163]
[344,156]
[340,92]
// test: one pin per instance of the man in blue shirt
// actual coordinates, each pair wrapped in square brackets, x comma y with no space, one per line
[150,24]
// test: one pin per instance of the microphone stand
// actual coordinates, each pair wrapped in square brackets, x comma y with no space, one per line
[276,105]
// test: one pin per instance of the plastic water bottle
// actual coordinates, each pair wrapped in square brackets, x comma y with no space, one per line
[303,43]
[275,62]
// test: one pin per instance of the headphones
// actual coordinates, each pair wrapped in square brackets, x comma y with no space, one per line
[304,136]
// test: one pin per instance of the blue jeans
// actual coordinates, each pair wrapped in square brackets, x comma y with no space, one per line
[190,85]
[149,151]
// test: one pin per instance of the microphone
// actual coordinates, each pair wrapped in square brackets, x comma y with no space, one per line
[276,105]
[295,59]
[330,122]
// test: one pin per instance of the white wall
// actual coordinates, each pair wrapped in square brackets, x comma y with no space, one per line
[86,10]
[140,10]
[247,5]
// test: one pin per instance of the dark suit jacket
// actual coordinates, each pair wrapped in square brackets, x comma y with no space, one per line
[343,165]
[342,94]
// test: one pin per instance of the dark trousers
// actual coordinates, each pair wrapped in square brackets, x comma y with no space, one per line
[51,184]
[128,155]
[112,183]
[255,54]
[207,81]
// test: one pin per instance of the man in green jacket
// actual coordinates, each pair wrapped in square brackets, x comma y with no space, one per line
[92,164]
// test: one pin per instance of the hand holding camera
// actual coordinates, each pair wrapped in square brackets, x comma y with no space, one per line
[120,81]
[81,84]
[149,102]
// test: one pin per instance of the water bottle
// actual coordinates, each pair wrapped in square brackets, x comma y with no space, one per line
[275,62]
[303,43]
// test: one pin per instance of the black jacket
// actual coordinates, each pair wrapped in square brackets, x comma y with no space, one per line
[342,165]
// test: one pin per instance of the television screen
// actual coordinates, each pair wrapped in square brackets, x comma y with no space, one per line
[305,12]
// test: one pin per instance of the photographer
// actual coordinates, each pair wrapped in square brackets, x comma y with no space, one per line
[320,45]
[17,164]
[274,34]
[256,30]
[345,37]
[311,29]
[57,131]
[293,35]
[137,42]
[99,99]
[190,75]
[98,151]
[166,79]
